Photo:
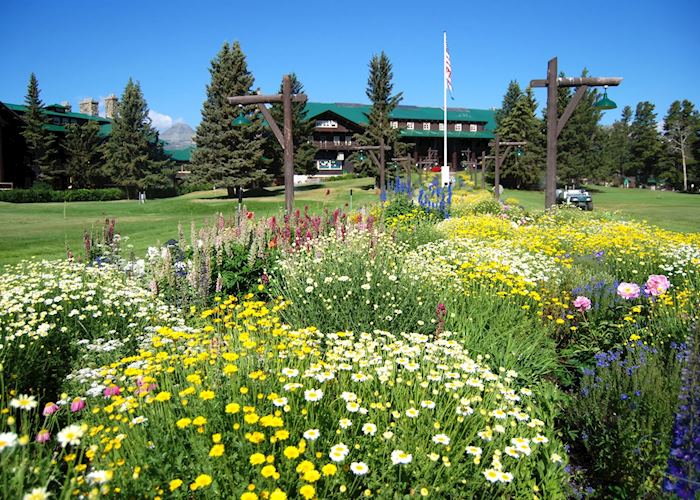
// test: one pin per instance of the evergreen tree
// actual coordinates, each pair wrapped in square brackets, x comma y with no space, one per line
[379,89]
[302,134]
[522,124]
[645,143]
[83,151]
[616,155]
[511,97]
[230,155]
[132,152]
[41,155]
[680,130]
[580,146]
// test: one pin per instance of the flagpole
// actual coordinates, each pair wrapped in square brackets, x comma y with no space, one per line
[445,171]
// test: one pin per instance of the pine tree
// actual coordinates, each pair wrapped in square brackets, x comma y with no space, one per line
[579,148]
[680,130]
[41,156]
[511,97]
[230,155]
[132,152]
[645,142]
[521,124]
[616,154]
[83,151]
[302,134]
[378,130]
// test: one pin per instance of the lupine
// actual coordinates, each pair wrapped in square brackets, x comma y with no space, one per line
[684,460]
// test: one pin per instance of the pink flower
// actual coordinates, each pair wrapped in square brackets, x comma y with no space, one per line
[582,303]
[628,290]
[112,390]
[50,409]
[43,436]
[657,284]
[77,405]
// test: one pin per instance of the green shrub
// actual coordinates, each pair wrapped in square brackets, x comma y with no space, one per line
[621,420]
[43,195]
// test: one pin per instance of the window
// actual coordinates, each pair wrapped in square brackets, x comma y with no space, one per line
[441,127]
[426,126]
[473,127]
[410,125]
[336,140]
[458,127]
[326,123]
[348,140]
[329,164]
[394,124]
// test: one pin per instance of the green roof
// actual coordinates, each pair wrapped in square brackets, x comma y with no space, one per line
[21,108]
[451,134]
[357,113]
[180,154]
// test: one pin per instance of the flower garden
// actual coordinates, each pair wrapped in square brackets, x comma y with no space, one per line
[453,348]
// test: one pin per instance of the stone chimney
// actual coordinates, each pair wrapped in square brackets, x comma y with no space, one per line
[89,106]
[111,106]
[67,105]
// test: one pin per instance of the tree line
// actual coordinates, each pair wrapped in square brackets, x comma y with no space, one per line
[635,147]
[131,156]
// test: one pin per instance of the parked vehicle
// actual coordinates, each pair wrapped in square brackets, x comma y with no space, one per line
[578,197]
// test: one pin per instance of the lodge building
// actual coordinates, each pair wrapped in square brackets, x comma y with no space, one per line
[468,133]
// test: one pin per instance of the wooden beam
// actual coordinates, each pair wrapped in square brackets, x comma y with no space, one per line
[570,108]
[288,145]
[565,81]
[255,99]
[552,118]
[273,124]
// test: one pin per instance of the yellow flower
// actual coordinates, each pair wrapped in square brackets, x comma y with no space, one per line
[304,467]
[311,476]
[216,438]
[268,471]
[202,481]
[217,450]
[206,395]
[183,422]
[199,421]
[278,494]
[249,495]
[175,484]
[282,434]
[291,452]
[163,396]
[329,470]
[233,408]
[251,418]
[257,459]
[307,491]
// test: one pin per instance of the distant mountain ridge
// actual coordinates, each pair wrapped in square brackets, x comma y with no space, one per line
[179,136]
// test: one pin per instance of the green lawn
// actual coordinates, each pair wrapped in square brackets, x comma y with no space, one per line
[45,229]
[666,209]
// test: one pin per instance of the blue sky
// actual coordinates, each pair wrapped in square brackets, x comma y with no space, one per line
[79,48]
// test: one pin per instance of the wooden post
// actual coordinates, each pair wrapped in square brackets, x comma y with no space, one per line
[497,169]
[382,172]
[552,118]
[556,124]
[483,170]
[288,145]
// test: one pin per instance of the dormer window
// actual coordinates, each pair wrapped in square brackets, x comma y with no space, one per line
[473,127]
[426,126]
[458,127]
[410,125]
[394,124]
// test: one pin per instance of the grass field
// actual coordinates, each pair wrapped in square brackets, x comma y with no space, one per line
[666,209]
[46,229]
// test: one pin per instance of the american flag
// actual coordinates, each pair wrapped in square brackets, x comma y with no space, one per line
[448,70]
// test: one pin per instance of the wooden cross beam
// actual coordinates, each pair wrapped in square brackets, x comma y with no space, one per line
[555,124]
[284,137]
[379,162]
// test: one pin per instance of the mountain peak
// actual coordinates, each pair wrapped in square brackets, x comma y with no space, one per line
[179,136]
